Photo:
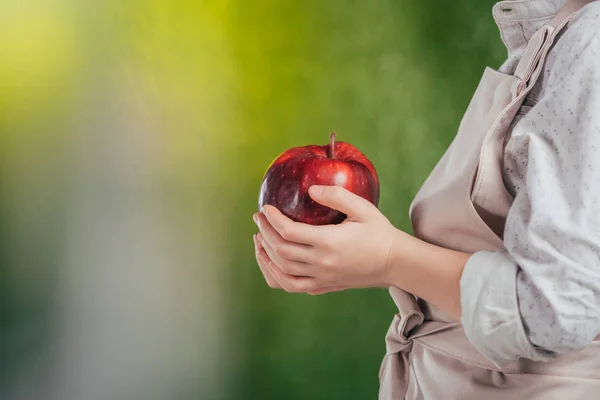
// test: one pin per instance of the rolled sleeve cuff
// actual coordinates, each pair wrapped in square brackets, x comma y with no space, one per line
[490,310]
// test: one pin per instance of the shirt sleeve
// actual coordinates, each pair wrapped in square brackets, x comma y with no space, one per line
[541,295]
[490,309]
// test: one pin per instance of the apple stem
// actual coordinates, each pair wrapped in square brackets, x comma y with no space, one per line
[332,145]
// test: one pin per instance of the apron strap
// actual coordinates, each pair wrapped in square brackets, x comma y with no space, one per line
[408,325]
[531,58]
[566,12]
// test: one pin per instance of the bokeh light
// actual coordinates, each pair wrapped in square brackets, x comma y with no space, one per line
[133,138]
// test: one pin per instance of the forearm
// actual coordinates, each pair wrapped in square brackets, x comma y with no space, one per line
[428,271]
[487,306]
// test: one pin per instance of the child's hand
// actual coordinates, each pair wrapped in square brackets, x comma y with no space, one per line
[317,259]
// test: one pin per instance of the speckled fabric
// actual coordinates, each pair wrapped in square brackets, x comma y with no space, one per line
[551,265]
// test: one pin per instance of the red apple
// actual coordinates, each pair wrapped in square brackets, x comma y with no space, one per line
[286,182]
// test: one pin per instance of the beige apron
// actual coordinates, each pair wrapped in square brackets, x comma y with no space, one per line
[463,205]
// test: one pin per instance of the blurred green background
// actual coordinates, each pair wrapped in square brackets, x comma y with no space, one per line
[133,138]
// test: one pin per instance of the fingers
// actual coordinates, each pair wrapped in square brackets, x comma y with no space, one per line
[276,278]
[280,247]
[263,263]
[289,230]
[287,266]
[341,199]
[327,290]
[293,284]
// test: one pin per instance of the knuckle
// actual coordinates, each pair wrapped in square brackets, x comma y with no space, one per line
[337,191]
[275,247]
[298,287]
[277,250]
[285,252]
[285,233]
[291,287]
[327,243]
[285,268]
[327,262]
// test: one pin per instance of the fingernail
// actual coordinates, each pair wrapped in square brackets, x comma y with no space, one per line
[264,210]
[255,218]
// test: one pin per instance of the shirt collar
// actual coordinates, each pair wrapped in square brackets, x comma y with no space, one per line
[519,19]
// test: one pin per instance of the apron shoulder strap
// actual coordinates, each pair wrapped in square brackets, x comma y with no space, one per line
[567,11]
[537,47]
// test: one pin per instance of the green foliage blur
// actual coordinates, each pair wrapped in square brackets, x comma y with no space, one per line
[216,89]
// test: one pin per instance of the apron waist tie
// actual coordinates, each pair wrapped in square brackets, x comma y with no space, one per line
[409,325]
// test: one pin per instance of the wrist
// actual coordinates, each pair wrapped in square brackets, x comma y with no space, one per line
[427,271]
[398,256]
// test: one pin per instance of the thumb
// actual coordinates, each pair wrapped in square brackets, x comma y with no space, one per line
[341,199]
